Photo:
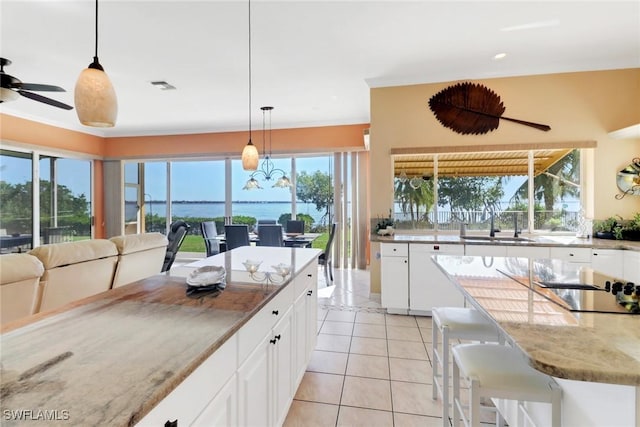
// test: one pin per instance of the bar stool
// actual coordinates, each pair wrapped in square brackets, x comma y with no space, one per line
[455,323]
[498,371]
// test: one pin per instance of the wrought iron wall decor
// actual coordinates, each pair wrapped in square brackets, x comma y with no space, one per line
[471,108]
[628,179]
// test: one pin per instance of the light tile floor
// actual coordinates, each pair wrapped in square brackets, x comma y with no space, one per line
[369,368]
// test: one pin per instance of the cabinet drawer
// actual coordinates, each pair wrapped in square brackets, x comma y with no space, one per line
[255,329]
[571,254]
[394,249]
[436,248]
[306,279]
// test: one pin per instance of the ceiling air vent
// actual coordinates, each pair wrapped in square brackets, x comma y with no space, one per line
[162,85]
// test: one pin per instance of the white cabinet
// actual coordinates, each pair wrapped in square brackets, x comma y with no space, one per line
[265,378]
[608,261]
[394,275]
[428,286]
[575,255]
[631,266]
[305,313]
[223,409]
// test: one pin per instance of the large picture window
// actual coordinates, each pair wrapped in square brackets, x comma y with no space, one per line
[443,191]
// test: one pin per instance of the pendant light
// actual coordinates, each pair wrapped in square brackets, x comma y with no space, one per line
[94,97]
[250,152]
[267,168]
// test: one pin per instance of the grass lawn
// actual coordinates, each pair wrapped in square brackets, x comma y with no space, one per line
[193,243]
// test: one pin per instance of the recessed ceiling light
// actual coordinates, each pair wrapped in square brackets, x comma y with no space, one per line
[161,84]
[499,56]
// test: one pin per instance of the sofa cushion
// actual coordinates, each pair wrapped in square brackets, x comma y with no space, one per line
[19,277]
[139,242]
[17,267]
[60,254]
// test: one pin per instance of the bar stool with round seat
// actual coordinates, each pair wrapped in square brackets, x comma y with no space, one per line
[455,323]
[498,371]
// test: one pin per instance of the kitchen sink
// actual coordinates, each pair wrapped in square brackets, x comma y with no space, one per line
[496,239]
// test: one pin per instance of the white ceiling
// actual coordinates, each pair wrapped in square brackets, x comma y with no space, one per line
[314,61]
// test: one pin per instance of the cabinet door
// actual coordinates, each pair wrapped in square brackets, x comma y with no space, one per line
[312,320]
[282,386]
[428,285]
[223,409]
[608,261]
[300,332]
[394,275]
[254,393]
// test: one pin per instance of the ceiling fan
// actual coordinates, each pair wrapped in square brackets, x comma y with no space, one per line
[10,87]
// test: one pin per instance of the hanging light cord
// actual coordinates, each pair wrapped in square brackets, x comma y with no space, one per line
[96,55]
[95,64]
[249,71]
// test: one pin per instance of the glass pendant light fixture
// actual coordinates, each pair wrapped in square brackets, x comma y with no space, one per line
[250,152]
[94,96]
[267,168]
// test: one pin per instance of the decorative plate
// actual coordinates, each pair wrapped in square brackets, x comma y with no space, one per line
[205,276]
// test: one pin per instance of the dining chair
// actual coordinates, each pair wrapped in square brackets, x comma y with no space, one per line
[325,257]
[177,233]
[267,221]
[209,233]
[236,235]
[294,226]
[270,235]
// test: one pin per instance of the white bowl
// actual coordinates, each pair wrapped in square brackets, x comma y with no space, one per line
[207,275]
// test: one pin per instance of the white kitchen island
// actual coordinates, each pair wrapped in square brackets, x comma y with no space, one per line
[594,356]
[149,352]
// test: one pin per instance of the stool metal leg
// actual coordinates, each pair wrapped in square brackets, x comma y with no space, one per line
[434,342]
[445,376]
[457,406]
[474,404]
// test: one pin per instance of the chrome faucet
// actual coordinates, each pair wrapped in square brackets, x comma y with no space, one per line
[515,225]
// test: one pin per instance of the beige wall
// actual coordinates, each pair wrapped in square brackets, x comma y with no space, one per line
[578,106]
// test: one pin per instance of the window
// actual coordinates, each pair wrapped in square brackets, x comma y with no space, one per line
[65,199]
[441,191]
[16,201]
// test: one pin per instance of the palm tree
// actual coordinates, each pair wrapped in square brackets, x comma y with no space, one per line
[411,199]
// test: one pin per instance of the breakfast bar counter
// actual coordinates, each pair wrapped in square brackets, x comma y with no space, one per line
[567,333]
[109,359]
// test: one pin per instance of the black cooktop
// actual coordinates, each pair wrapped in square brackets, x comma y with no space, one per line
[575,287]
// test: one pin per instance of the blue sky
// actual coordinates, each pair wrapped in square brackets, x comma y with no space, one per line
[191,180]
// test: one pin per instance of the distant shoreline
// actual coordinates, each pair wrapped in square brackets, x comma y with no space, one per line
[203,202]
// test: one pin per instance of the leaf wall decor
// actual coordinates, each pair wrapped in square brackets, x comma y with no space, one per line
[471,108]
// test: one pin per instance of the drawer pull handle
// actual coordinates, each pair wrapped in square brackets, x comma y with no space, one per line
[277,337]
[309,275]
[272,341]
[170,423]
[309,292]
[275,312]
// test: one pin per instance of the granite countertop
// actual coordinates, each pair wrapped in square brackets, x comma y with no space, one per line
[583,346]
[533,240]
[109,359]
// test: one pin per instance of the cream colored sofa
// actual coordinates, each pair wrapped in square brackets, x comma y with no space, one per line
[139,256]
[75,270]
[19,278]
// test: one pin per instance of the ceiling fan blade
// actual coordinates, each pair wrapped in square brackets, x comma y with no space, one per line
[45,100]
[40,88]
